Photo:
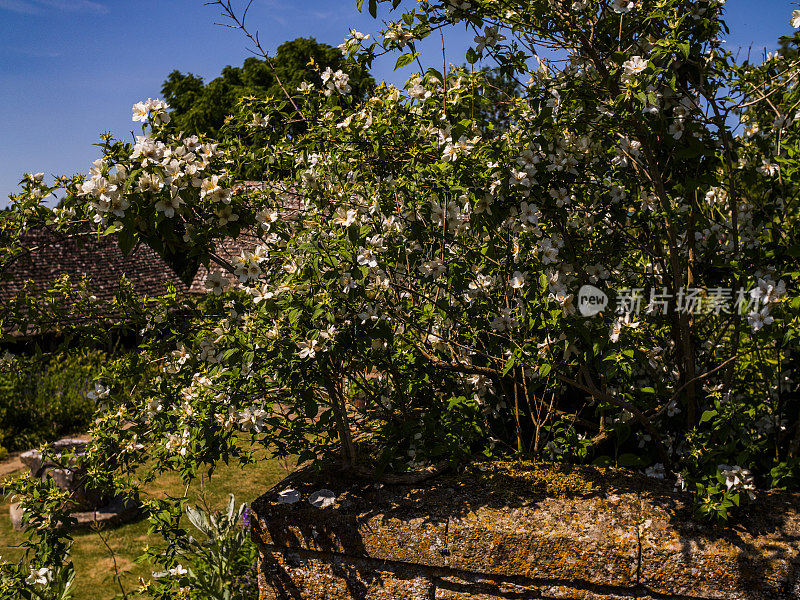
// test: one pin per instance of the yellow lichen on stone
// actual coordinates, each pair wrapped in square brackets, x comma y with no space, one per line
[541,479]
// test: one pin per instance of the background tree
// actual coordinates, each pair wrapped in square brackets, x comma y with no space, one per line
[202,108]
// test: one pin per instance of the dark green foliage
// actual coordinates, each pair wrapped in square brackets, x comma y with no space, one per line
[199,108]
[495,103]
[44,399]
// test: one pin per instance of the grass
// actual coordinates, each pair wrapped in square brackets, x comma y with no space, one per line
[94,564]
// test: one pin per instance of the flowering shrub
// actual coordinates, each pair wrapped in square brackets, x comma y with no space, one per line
[415,294]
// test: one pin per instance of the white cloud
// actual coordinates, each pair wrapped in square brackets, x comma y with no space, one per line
[37,7]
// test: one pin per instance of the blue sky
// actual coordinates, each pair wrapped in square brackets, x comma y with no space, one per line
[71,69]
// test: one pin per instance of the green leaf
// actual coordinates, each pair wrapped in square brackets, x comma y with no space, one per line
[405,60]
[373,8]
[509,364]
[708,415]
[472,56]
[126,241]
[435,73]
[359,5]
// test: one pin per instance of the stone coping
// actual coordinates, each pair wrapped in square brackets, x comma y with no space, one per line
[585,532]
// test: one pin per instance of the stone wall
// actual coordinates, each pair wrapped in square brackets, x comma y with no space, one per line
[521,531]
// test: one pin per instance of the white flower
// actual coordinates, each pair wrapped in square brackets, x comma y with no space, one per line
[341,82]
[99,392]
[795,20]
[345,217]
[169,205]
[367,258]
[179,442]
[140,111]
[259,121]
[348,283]
[520,178]
[226,215]
[157,108]
[552,449]
[182,354]
[517,280]
[308,349]
[151,182]
[767,291]
[335,81]
[738,479]
[397,34]
[252,419]
[768,168]
[482,284]
[560,195]
[450,153]
[490,38]
[529,213]
[262,293]
[328,333]
[266,217]
[566,302]
[177,571]
[548,251]
[757,319]
[622,6]
[633,66]
[216,282]
[41,576]
[505,320]
[305,87]
[618,324]
[432,268]
[212,189]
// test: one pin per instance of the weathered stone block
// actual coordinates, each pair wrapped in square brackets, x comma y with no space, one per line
[518,531]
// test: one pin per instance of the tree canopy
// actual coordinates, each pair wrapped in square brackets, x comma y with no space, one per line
[199,107]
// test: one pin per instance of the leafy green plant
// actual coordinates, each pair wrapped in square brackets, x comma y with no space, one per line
[219,564]
[44,397]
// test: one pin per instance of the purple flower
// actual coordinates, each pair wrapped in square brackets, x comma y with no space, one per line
[248,520]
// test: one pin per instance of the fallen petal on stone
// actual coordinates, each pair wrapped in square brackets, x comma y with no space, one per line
[288,496]
[322,499]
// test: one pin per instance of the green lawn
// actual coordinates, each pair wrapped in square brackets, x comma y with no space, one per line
[94,564]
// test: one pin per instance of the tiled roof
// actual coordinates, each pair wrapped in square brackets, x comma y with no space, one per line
[53,255]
